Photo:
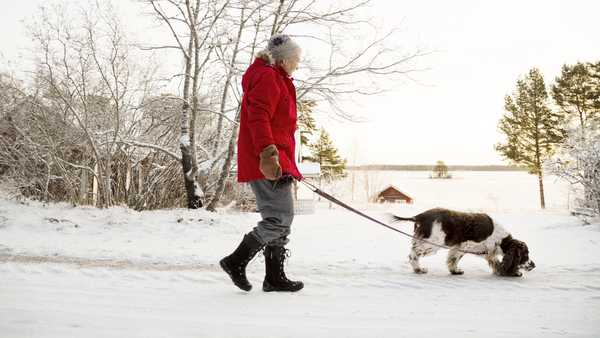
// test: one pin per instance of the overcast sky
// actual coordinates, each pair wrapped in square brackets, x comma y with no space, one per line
[480,49]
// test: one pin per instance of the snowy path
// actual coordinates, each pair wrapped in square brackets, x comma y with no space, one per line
[61,300]
[154,274]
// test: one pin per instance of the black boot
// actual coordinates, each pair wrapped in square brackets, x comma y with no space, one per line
[235,264]
[275,279]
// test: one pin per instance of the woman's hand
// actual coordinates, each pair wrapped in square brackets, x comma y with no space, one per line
[269,163]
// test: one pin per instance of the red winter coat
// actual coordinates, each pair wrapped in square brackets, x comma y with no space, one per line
[268,116]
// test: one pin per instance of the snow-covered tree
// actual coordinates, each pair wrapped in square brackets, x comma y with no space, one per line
[89,90]
[578,162]
[440,170]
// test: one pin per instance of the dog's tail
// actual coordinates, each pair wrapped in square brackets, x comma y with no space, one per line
[400,219]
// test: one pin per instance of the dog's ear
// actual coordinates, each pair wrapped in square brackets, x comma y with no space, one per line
[510,261]
[507,262]
[523,253]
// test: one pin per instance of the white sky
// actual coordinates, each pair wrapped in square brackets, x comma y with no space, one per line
[482,48]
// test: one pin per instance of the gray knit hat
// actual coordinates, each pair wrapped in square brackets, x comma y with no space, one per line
[280,47]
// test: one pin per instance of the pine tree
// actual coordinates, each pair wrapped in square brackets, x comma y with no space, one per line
[532,130]
[325,153]
[594,69]
[576,92]
[306,123]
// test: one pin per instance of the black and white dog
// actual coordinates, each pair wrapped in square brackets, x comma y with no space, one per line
[471,232]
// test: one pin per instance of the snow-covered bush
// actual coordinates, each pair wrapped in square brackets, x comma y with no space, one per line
[578,162]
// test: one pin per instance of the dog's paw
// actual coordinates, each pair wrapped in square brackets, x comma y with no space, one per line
[457,272]
[420,271]
[510,274]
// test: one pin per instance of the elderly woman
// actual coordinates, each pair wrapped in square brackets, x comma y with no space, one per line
[266,160]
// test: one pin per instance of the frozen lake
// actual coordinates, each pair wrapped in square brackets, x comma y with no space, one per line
[467,190]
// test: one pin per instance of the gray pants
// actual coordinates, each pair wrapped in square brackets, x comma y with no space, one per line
[276,206]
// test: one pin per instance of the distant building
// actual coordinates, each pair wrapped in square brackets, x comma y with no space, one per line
[392,194]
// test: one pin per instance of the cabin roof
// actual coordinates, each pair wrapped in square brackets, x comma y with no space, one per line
[393,188]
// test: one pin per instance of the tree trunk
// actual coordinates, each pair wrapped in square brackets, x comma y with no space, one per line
[538,168]
[95,186]
[127,180]
[187,161]
[107,184]
[195,84]
[140,178]
[83,187]
[194,201]
[541,183]
[47,184]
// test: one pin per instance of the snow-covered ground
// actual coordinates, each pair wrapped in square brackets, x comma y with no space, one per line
[82,272]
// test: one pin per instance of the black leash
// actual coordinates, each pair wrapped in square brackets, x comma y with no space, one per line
[344,205]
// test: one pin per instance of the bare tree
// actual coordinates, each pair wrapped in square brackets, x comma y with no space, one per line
[231,72]
[85,73]
[196,21]
[227,33]
[21,161]
[91,120]
[334,79]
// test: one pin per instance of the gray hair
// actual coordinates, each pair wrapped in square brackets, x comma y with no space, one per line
[279,48]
